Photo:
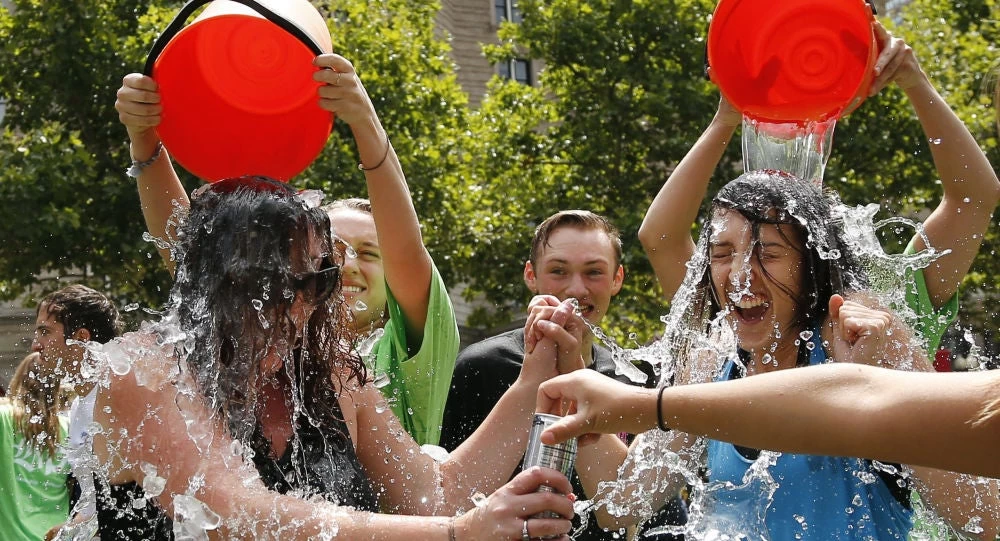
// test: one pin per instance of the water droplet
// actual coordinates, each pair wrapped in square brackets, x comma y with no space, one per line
[381,380]
[934,140]
[479,499]
[360,306]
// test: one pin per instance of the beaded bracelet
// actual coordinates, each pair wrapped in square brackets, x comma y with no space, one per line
[136,168]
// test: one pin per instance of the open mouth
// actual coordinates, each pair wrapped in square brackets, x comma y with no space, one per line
[352,290]
[751,309]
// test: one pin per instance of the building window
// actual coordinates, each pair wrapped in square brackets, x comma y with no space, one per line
[506,10]
[517,69]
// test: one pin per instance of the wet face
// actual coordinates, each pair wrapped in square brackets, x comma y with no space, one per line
[314,279]
[577,263]
[50,342]
[362,273]
[757,283]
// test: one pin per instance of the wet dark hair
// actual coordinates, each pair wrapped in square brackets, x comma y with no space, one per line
[80,307]
[579,219]
[776,197]
[233,297]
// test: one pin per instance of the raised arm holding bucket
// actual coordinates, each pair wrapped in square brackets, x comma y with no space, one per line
[968,181]
[390,278]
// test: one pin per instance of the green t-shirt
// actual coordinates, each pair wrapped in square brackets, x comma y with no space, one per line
[418,385]
[33,493]
[929,323]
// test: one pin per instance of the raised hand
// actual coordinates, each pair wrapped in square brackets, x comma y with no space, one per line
[139,109]
[895,63]
[860,334]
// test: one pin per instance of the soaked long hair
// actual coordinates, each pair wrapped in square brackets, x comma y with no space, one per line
[798,207]
[233,298]
[35,397]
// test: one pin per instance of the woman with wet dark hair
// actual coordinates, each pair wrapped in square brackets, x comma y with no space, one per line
[776,286]
[245,412]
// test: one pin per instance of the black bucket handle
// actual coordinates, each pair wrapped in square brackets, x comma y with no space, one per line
[177,25]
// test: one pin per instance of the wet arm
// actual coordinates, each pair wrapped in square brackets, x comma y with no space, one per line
[139,109]
[665,232]
[231,487]
[159,187]
[961,499]
[483,463]
[971,192]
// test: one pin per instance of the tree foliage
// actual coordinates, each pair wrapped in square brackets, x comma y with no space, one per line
[621,98]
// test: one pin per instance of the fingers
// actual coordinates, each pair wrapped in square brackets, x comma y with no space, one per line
[836,302]
[138,102]
[139,81]
[552,392]
[548,528]
[333,62]
[337,75]
[569,427]
[528,481]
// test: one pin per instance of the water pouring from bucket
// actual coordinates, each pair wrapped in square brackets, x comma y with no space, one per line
[237,89]
[792,68]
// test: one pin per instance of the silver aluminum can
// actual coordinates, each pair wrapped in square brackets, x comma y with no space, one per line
[559,457]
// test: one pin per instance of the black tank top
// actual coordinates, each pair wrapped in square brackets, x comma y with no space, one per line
[318,463]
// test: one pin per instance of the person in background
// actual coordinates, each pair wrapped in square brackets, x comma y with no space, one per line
[575,254]
[34,495]
[66,321]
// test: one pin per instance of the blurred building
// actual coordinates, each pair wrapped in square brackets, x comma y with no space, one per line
[472,23]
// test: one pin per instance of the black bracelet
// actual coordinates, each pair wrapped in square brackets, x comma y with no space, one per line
[362,167]
[659,410]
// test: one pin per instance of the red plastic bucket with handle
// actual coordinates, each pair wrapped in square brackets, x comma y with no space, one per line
[237,89]
[792,60]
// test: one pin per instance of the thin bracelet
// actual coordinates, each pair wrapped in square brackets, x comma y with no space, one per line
[362,167]
[136,168]
[659,410]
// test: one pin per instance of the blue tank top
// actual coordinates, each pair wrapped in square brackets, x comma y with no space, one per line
[818,498]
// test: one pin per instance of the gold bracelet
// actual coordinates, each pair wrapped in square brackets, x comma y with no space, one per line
[362,167]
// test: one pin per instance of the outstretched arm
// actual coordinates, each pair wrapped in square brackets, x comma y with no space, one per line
[665,232]
[405,259]
[853,410]
[971,188]
[138,105]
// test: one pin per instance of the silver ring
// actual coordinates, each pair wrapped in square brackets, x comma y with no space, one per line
[336,82]
[524,531]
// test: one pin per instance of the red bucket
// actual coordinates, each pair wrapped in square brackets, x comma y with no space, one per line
[792,60]
[237,90]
